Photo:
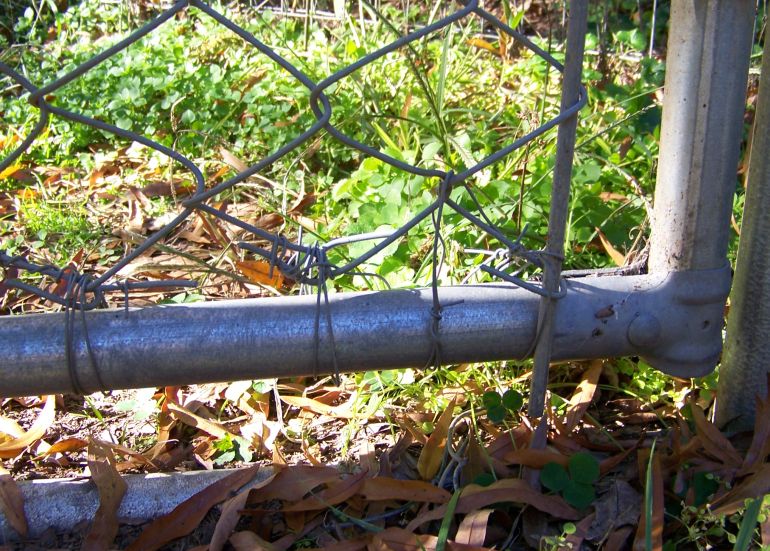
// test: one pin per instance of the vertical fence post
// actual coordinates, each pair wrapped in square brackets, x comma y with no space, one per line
[557,220]
[709,46]
[746,361]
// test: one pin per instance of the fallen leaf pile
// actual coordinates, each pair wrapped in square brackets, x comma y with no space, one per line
[467,484]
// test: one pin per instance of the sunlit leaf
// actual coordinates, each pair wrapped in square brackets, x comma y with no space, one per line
[433,452]
[383,489]
[64,446]
[473,528]
[17,445]
[583,395]
[112,488]
[10,171]
[188,514]
[231,512]
[12,504]
[617,257]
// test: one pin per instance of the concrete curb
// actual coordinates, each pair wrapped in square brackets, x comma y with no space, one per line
[62,504]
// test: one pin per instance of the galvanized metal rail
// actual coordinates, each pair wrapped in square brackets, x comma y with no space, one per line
[672,319]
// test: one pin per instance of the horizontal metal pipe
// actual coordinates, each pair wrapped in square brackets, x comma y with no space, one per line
[652,315]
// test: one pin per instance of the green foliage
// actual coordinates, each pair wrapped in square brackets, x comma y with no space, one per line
[57,225]
[576,482]
[231,449]
[499,407]
[442,103]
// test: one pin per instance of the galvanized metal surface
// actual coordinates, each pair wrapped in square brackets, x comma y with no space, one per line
[560,194]
[746,363]
[707,67]
[672,319]
[63,505]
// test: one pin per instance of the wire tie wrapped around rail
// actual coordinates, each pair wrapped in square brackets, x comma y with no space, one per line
[74,302]
[445,188]
[321,264]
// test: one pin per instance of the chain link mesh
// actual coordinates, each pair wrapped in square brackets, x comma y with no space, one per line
[306,264]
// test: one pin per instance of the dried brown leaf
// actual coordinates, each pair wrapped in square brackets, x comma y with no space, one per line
[303,202]
[409,427]
[617,540]
[536,459]
[342,411]
[583,395]
[482,44]
[382,488]
[12,504]
[510,490]
[760,441]
[231,513]
[713,440]
[252,81]
[294,483]
[261,272]
[112,488]
[177,188]
[64,446]
[187,515]
[615,255]
[16,445]
[608,196]
[269,221]
[398,539]
[231,159]
[613,461]
[473,528]
[249,541]
[336,493]
[189,418]
[517,437]
[619,506]
[433,452]
[754,486]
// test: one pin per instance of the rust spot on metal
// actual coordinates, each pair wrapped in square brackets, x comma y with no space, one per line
[605,312]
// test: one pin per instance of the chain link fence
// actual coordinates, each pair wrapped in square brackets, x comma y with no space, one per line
[308,264]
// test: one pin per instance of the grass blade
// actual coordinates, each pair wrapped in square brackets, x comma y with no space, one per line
[648,501]
[748,523]
[446,523]
[443,70]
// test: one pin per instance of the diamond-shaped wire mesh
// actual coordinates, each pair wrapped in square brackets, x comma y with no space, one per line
[307,264]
